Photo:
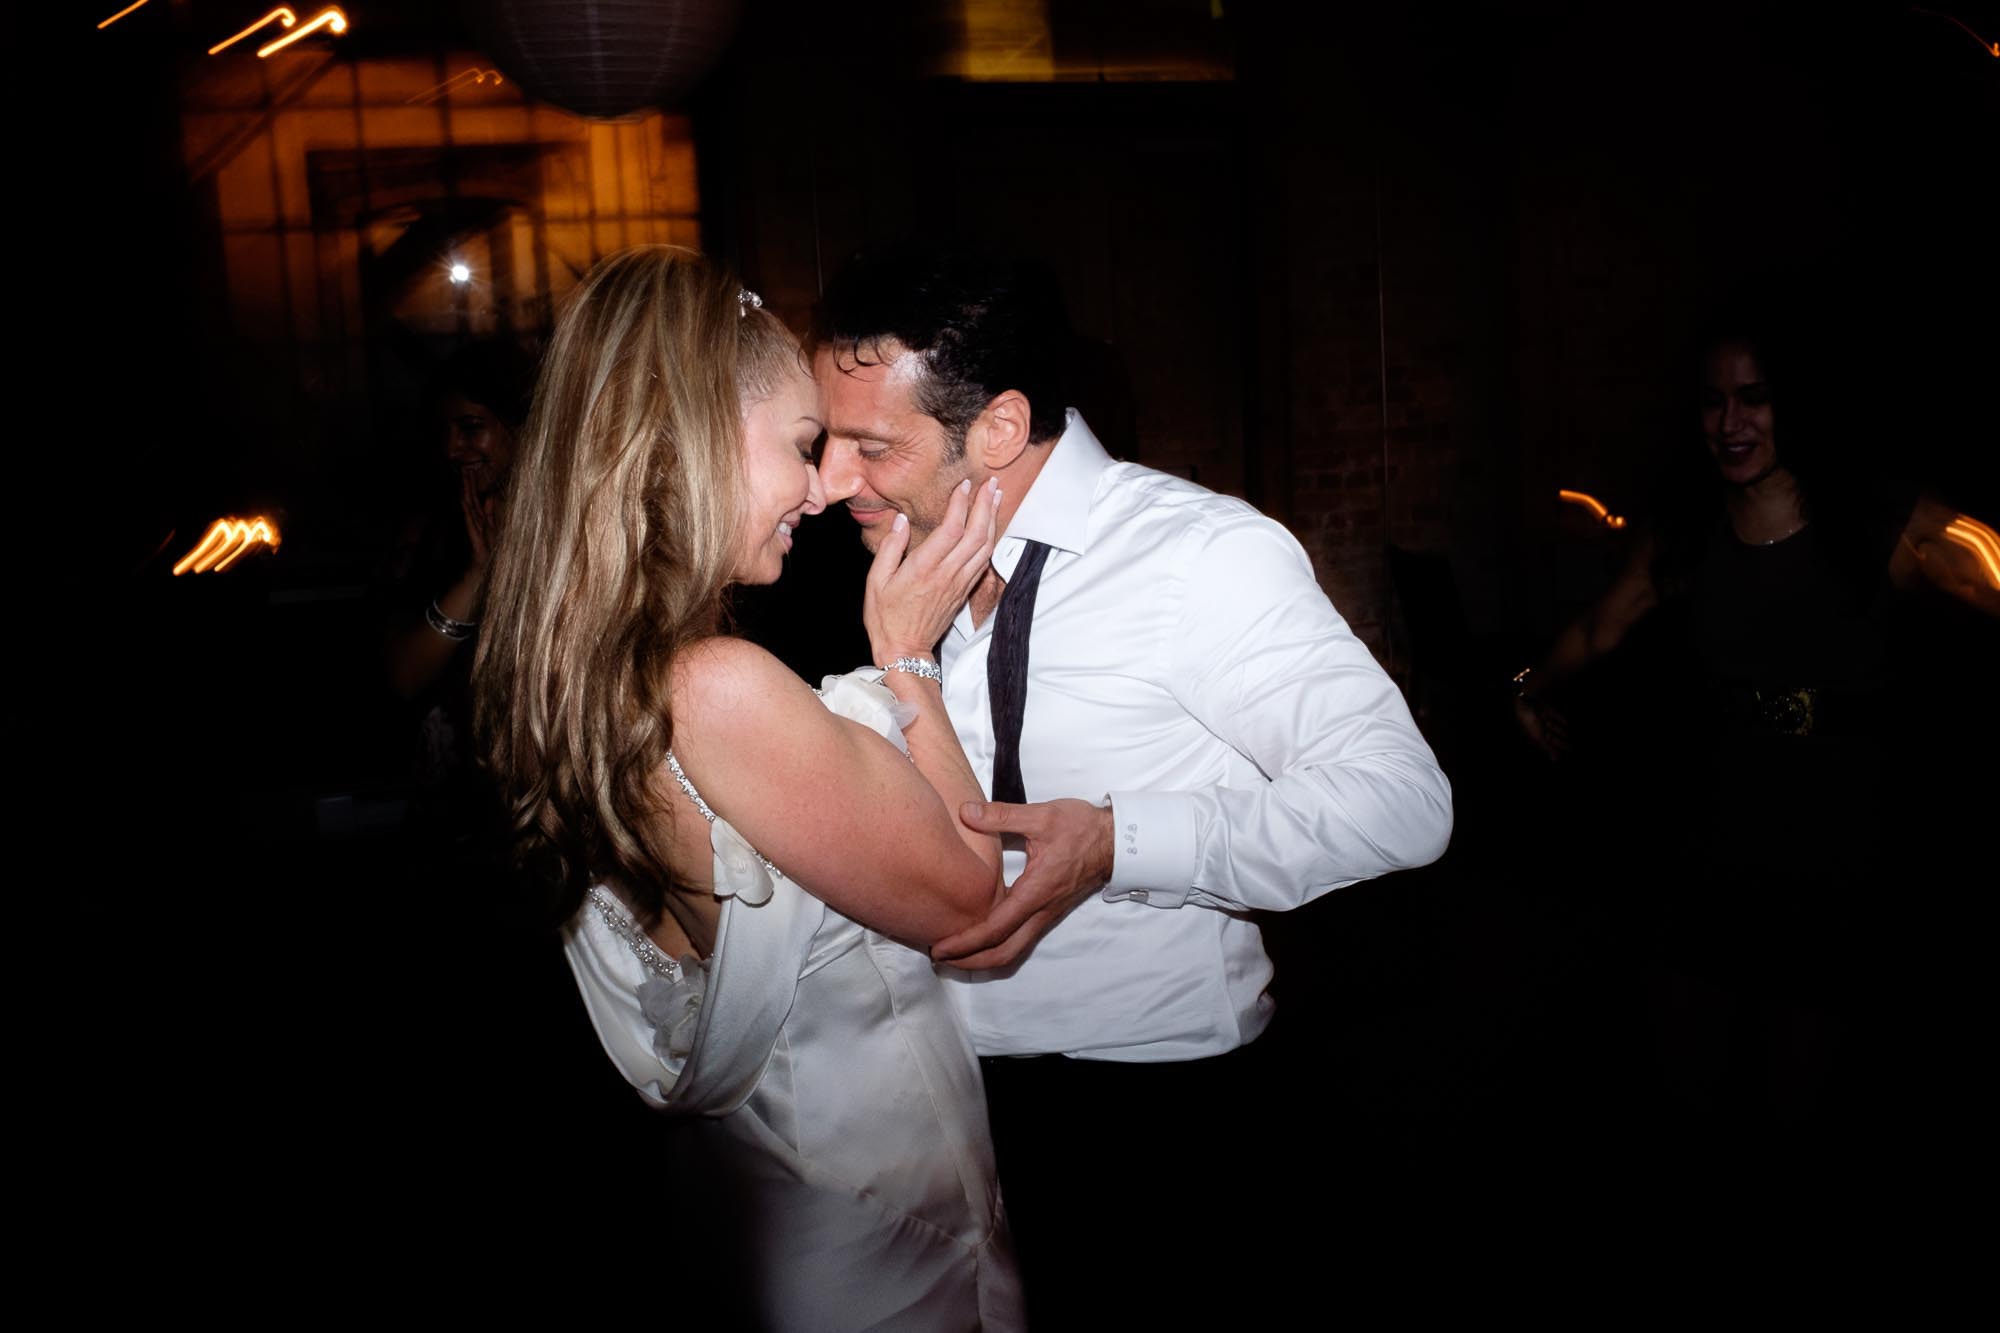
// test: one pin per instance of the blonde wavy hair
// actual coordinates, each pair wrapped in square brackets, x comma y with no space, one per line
[616,545]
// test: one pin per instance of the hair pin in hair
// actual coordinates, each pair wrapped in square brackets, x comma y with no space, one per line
[747,300]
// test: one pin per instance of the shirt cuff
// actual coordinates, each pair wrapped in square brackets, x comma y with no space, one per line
[1154,848]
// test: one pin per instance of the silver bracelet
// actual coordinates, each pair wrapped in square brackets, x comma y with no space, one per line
[918,666]
[454,630]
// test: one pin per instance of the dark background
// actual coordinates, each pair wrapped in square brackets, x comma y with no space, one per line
[1392,273]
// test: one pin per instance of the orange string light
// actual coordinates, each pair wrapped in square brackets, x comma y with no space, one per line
[259,531]
[226,541]
[330,18]
[1979,539]
[475,74]
[1991,48]
[1594,505]
[281,14]
[119,15]
[213,540]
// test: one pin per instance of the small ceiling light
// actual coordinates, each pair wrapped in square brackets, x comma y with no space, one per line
[1594,505]
[226,541]
[331,18]
[282,16]
[119,15]
[461,274]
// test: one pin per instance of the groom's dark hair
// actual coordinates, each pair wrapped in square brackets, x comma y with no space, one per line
[982,322]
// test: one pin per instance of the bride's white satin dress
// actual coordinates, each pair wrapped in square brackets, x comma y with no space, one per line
[838,1149]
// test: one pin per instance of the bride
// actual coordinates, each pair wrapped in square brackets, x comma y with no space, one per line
[748,874]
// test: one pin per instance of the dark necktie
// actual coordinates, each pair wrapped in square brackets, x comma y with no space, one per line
[1007,670]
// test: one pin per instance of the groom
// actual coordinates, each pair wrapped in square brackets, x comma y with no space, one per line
[1179,730]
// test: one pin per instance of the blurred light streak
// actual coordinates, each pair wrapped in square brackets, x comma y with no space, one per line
[283,15]
[1981,540]
[1594,505]
[165,542]
[226,540]
[475,74]
[119,15]
[330,18]
[1990,48]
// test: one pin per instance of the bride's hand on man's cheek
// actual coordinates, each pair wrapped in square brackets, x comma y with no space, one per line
[912,595]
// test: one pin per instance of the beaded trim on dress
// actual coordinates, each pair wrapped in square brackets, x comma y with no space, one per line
[670,999]
[651,955]
[674,766]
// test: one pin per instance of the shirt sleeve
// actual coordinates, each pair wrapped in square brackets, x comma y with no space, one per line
[1350,789]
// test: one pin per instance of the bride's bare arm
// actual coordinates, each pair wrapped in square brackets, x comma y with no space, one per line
[911,600]
[828,801]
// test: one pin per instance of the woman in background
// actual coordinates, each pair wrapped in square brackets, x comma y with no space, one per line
[479,398]
[1780,798]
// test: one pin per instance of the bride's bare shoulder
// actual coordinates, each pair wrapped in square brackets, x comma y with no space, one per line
[722,677]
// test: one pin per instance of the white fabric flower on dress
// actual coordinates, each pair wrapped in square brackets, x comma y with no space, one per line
[738,870]
[860,696]
[673,1007]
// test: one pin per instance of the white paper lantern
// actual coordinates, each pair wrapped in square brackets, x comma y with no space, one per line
[604,57]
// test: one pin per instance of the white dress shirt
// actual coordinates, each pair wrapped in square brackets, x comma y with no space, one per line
[1185,664]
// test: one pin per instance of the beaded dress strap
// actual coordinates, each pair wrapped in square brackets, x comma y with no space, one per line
[651,956]
[674,767]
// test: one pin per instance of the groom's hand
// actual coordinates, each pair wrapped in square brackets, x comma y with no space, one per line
[1070,846]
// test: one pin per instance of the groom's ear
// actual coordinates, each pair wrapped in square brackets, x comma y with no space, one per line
[999,434]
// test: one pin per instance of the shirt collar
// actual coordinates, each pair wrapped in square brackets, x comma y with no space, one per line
[1056,509]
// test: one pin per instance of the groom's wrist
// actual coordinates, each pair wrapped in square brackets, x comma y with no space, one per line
[1153,848]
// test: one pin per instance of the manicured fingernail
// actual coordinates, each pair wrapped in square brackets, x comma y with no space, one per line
[965,486]
[900,523]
